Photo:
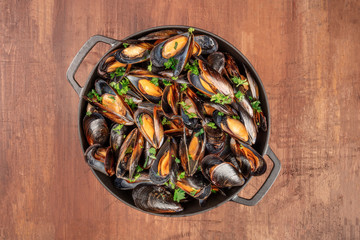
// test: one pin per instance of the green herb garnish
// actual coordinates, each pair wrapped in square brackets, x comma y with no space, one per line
[184,105]
[256,106]
[120,71]
[174,78]
[125,45]
[193,67]
[149,68]
[118,128]
[236,117]
[213,191]
[181,175]
[177,160]
[199,132]
[239,95]
[130,102]
[212,125]
[93,94]
[140,120]
[166,82]
[221,114]
[193,193]
[238,81]
[152,152]
[165,121]
[183,87]
[135,177]
[171,63]
[220,98]
[191,30]
[176,44]
[129,150]
[139,169]
[179,195]
[88,113]
[155,81]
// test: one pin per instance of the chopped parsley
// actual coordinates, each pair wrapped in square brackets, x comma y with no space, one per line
[220,98]
[193,67]
[130,102]
[129,150]
[236,117]
[241,146]
[183,87]
[165,121]
[118,128]
[213,191]
[149,68]
[135,177]
[191,30]
[125,45]
[179,195]
[193,193]
[113,98]
[238,81]
[155,81]
[166,82]
[176,44]
[88,113]
[212,125]
[140,120]
[93,94]
[181,175]
[199,132]
[177,160]
[139,169]
[120,71]
[184,105]
[256,106]
[239,95]
[171,63]
[152,152]
[174,78]
[124,86]
[200,94]
[221,113]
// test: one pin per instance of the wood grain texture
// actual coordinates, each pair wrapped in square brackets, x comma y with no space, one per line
[307,55]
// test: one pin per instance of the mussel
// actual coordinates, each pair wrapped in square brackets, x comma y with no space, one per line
[134,53]
[250,161]
[162,34]
[109,65]
[192,150]
[169,101]
[110,104]
[221,174]
[127,184]
[95,128]
[178,49]
[196,186]
[208,44]
[231,125]
[100,159]
[155,199]
[150,126]
[129,154]
[215,137]
[117,134]
[164,166]
[217,61]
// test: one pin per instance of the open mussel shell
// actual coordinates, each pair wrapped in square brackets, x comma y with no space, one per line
[178,47]
[260,120]
[111,105]
[196,186]
[210,107]
[232,126]
[146,87]
[221,174]
[210,82]
[117,134]
[248,157]
[169,101]
[191,109]
[108,65]
[208,44]
[217,61]
[124,183]
[129,154]
[192,150]
[215,137]
[162,34]
[248,122]
[155,199]
[148,158]
[95,129]
[254,89]
[134,53]
[164,166]
[150,126]
[100,159]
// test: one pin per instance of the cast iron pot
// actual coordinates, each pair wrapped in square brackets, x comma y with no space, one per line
[193,207]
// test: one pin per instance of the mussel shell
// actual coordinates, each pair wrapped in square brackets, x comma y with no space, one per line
[127,184]
[169,101]
[162,34]
[197,183]
[221,174]
[231,66]
[134,53]
[215,138]
[155,199]
[146,88]
[210,107]
[104,164]
[254,89]
[96,129]
[208,44]
[182,55]
[249,124]
[247,156]
[245,104]
[234,127]
[151,129]
[117,133]
[108,65]
[195,107]
[217,61]
[148,159]
[168,150]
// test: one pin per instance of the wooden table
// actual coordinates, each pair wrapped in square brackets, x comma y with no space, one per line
[307,55]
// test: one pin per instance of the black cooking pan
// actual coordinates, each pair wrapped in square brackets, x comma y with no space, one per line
[193,207]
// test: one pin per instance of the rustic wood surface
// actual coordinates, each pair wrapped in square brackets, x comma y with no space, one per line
[307,55]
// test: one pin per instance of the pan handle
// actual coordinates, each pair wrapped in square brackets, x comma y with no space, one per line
[85,49]
[267,184]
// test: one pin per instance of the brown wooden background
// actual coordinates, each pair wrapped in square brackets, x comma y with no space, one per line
[307,54]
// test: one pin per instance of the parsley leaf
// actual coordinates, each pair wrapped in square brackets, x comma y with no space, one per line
[238,81]
[177,160]
[191,30]
[184,106]
[135,177]
[171,63]
[165,121]
[125,45]
[181,175]
[183,87]
[213,191]
[221,114]
[199,132]
[193,67]
[220,98]
[239,95]
[176,44]
[155,81]
[118,128]
[93,94]
[212,125]
[130,102]
[174,78]
[179,195]
[256,106]
[236,117]
[193,193]
[166,82]
[149,68]
[139,169]
[88,113]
